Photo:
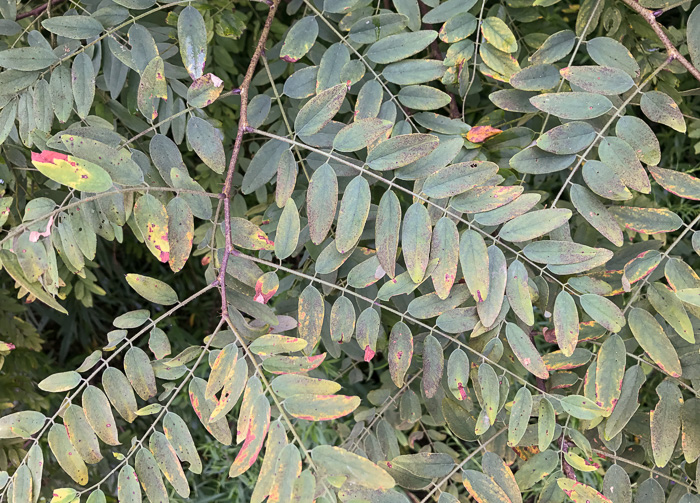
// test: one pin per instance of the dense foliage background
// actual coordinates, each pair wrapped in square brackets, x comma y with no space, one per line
[344,250]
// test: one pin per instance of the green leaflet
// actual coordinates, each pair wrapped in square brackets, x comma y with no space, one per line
[99,415]
[401,150]
[360,134]
[534,224]
[83,84]
[152,289]
[206,142]
[178,434]
[489,308]
[616,484]
[400,352]
[473,256]
[525,351]
[426,465]
[370,29]
[458,374]
[607,51]
[117,162]
[518,292]
[519,416]
[354,208]
[490,395]
[62,381]
[21,424]
[319,110]
[640,136]
[128,489]
[149,476]
[595,212]
[81,434]
[342,320]
[534,160]
[568,138]
[654,341]
[288,228]
[310,317]
[192,34]
[536,77]
[415,239]
[445,248]
[137,367]
[420,97]
[339,462]
[665,422]
[66,455]
[433,366]
[299,39]
[558,252]
[572,105]
[660,107]
[459,178]
[367,331]
[546,422]
[619,156]
[581,407]
[387,225]
[598,79]
[167,461]
[566,322]
[497,33]
[320,407]
[322,199]
[264,165]
[27,58]
[482,487]
[610,371]
[693,37]
[400,46]
[670,307]
[120,393]
[603,311]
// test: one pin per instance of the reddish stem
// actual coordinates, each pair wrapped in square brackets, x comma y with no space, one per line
[38,10]
[242,129]
[650,17]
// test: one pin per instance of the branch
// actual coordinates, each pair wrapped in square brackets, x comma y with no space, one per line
[673,53]
[242,129]
[38,10]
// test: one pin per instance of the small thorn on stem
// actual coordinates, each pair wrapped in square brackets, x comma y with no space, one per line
[657,13]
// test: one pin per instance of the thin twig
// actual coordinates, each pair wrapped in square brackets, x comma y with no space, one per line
[242,129]
[673,53]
